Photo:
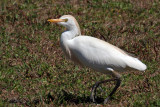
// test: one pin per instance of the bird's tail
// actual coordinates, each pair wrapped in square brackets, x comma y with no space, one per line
[136,64]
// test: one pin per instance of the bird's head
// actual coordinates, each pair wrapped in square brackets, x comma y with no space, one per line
[67,21]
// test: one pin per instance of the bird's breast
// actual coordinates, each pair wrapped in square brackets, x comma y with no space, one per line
[69,54]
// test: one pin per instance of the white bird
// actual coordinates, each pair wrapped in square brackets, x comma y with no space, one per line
[95,53]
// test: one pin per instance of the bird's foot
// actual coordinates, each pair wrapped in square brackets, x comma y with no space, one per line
[106,100]
[94,88]
[101,89]
[93,93]
[92,97]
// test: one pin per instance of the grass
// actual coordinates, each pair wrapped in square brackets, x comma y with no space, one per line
[34,71]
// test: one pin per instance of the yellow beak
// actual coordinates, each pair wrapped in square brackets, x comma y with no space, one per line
[56,20]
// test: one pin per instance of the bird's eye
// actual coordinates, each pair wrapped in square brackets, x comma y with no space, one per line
[65,20]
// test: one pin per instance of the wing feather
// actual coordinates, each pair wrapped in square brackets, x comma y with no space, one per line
[96,53]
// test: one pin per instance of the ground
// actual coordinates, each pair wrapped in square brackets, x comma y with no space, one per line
[34,71]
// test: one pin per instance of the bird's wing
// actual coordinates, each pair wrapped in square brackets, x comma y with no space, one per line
[92,51]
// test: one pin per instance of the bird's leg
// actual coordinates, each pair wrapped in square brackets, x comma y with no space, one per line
[118,82]
[101,89]
[93,92]
[96,85]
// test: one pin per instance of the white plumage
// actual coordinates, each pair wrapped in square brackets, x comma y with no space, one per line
[94,53]
[100,55]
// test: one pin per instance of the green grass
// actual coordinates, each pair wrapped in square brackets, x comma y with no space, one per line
[34,71]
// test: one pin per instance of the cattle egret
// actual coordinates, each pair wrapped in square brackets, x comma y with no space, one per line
[95,54]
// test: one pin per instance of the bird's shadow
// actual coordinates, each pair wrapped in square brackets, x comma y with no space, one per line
[61,99]
[71,98]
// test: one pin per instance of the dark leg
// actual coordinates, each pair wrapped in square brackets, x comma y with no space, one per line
[95,86]
[114,90]
[93,92]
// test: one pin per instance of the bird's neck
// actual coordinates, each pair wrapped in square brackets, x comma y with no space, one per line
[65,37]
[70,34]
